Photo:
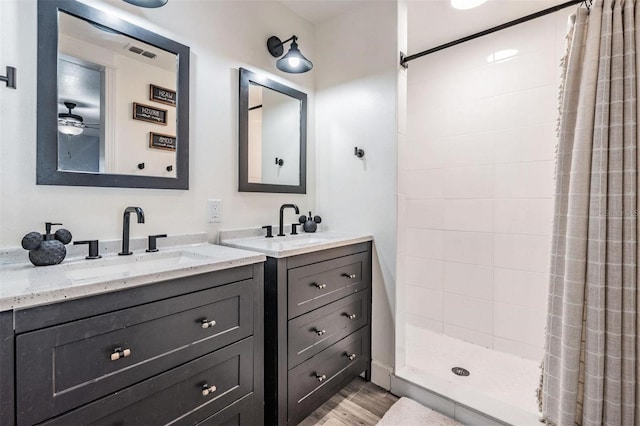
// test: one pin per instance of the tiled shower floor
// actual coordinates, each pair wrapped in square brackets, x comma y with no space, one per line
[500,385]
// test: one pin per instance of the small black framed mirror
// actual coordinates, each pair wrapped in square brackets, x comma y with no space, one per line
[272,136]
[112,96]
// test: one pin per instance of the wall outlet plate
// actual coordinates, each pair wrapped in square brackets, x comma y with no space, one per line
[214,211]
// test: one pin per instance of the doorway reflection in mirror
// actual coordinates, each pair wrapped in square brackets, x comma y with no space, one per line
[274,133]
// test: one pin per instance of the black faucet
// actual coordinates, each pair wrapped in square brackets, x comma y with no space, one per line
[125,227]
[282,207]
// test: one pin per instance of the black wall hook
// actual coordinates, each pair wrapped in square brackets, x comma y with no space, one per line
[279,161]
[10,78]
[358,152]
[141,166]
[169,168]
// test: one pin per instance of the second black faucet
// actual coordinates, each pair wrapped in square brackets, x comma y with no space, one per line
[282,207]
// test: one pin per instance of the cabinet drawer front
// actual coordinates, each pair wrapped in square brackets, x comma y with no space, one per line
[167,397]
[313,332]
[312,286]
[240,413]
[324,369]
[63,367]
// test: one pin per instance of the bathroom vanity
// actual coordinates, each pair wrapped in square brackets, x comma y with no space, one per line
[317,318]
[154,338]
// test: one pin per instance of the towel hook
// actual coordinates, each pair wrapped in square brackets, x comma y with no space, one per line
[10,78]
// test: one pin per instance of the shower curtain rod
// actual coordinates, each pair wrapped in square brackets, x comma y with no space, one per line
[404,59]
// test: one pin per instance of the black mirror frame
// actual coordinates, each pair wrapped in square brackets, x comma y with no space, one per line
[47,128]
[246,77]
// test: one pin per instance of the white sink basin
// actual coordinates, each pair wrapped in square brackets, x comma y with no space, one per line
[132,265]
[291,245]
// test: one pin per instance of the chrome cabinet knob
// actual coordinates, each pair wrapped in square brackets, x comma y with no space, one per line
[351,357]
[352,276]
[206,389]
[320,332]
[320,286]
[351,316]
[120,353]
[321,378]
[207,324]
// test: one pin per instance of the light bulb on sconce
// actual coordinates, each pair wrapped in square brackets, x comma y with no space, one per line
[294,61]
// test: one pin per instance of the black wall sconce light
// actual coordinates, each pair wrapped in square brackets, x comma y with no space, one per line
[147,3]
[294,61]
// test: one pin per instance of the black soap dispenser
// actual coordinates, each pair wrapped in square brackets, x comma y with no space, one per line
[310,224]
[47,249]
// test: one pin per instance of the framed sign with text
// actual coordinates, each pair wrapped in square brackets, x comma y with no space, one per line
[160,141]
[162,95]
[149,113]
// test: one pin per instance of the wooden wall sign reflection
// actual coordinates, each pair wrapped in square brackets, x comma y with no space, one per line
[160,141]
[149,113]
[162,95]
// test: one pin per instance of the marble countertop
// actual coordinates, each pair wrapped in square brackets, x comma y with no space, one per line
[23,285]
[289,245]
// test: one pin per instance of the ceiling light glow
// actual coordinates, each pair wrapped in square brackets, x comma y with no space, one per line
[466,4]
[502,55]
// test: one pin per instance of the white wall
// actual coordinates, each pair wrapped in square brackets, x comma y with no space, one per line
[279,135]
[131,144]
[477,175]
[223,36]
[356,86]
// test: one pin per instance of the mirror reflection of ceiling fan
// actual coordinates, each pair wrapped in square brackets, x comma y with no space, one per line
[73,124]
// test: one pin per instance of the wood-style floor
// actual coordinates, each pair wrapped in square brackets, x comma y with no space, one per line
[360,403]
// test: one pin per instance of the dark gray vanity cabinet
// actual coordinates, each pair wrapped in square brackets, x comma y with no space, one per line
[317,328]
[185,351]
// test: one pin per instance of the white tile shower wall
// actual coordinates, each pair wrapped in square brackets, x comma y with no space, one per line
[477,179]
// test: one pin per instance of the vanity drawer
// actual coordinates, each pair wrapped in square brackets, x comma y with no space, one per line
[237,414]
[313,332]
[318,284]
[333,365]
[167,397]
[63,367]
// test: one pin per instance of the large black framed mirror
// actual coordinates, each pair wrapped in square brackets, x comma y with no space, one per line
[113,101]
[272,136]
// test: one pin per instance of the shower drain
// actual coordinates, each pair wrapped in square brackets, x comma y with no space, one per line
[459,371]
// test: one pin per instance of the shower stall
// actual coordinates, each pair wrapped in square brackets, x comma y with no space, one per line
[475,210]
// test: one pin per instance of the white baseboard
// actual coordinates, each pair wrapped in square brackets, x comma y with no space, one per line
[381,374]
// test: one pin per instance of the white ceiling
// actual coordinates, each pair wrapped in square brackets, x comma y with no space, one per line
[316,11]
[439,22]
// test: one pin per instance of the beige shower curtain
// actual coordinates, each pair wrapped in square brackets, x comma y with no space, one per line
[590,367]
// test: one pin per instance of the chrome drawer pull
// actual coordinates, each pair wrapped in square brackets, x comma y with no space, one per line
[320,286]
[351,357]
[351,316]
[207,324]
[320,332]
[206,390]
[321,378]
[352,276]
[120,353]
